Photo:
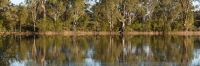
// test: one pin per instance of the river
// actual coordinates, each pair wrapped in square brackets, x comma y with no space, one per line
[99,50]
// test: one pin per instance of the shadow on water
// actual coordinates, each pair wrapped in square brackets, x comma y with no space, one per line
[100,50]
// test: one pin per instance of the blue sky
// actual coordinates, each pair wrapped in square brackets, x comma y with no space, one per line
[16,1]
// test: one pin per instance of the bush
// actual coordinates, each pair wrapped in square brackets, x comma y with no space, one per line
[157,25]
[137,26]
[1,26]
[29,28]
[45,25]
[176,26]
[93,26]
[103,26]
[67,24]
[82,23]
[58,25]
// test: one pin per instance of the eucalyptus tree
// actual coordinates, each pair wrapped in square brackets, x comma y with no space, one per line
[4,3]
[56,9]
[187,14]
[23,15]
[76,11]
[3,7]
[114,11]
[41,7]
[106,11]
[109,11]
[128,10]
[166,13]
[32,6]
[150,6]
[96,15]
[10,17]
[66,4]
[38,11]
[41,10]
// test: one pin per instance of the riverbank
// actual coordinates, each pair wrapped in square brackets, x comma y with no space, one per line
[101,33]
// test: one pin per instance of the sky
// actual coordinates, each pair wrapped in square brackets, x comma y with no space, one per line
[16,1]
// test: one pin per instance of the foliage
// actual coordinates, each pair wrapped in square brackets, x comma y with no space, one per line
[23,15]
[103,15]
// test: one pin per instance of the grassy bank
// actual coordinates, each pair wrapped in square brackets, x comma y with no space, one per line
[101,33]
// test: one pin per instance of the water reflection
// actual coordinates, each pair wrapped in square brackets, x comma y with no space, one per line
[112,50]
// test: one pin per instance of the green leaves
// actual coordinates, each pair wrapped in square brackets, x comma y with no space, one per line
[111,15]
[76,11]
[56,8]
[52,1]
[10,18]
[23,14]
[4,3]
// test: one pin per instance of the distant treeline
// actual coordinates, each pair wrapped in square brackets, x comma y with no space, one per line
[99,15]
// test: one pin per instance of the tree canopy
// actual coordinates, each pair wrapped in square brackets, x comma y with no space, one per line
[103,15]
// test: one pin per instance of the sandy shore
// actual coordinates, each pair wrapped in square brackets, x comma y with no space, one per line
[101,33]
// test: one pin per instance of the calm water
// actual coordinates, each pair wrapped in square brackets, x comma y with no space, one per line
[137,50]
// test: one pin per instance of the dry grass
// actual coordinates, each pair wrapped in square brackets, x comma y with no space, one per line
[185,33]
[101,33]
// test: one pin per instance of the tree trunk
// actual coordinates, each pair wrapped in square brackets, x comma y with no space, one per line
[186,27]
[75,19]
[185,57]
[43,55]
[44,12]
[20,28]
[130,18]
[34,51]
[110,44]
[123,26]
[43,7]
[34,26]
[110,24]
[34,16]
[74,25]
[185,6]
[55,19]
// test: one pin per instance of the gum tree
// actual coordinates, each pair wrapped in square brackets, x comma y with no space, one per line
[32,5]
[76,11]
[23,15]
[187,14]
[128,10]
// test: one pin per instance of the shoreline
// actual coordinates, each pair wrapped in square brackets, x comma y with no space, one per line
[100,33]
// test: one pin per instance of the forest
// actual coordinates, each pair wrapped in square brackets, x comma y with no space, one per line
[99,15]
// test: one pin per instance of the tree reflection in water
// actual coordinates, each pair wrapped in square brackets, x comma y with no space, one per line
[4,47]
[111,50]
